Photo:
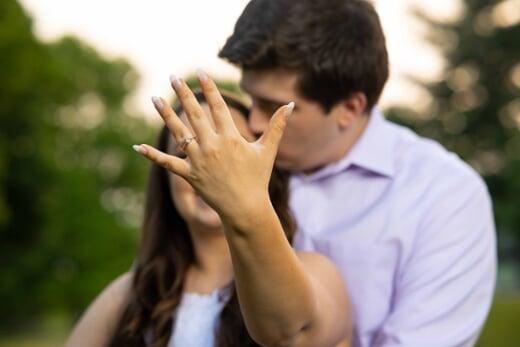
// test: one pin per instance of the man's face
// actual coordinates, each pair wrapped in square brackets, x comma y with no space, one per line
[309,138]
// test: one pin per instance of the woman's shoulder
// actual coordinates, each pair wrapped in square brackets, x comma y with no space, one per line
[97,324]
[318,262]
[121,285]
[115,293]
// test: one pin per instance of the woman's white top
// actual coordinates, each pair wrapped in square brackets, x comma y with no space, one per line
[196,320]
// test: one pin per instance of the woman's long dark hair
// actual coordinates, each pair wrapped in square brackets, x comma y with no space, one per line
[165,254]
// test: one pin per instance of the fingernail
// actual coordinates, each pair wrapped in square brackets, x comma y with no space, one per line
[139,149]
[176,82]
[289,109]
[157,102]
[203,76]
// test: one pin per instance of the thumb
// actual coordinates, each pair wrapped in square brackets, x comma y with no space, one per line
[272,136]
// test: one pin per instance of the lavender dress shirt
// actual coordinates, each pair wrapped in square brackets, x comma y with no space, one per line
[410,227]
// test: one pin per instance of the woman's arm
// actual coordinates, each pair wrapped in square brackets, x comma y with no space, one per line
[96,326]
[286,299]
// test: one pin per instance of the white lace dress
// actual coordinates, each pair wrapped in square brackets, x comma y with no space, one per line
[196,320]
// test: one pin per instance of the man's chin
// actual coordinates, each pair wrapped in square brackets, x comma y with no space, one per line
[285,163]
[294,167]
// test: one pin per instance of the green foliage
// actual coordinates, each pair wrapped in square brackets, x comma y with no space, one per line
[476,107]
[71,187]
[70,184]
[223,85]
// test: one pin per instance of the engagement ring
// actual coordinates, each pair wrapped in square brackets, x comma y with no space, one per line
[186,142]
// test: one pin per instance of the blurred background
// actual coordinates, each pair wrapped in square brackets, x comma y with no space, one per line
[75,82]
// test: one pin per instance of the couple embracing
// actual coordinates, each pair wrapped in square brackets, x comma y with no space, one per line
[306,219]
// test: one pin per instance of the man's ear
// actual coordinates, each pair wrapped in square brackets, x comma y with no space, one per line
[350,108]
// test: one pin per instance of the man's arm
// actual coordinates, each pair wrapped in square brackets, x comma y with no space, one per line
[444,292]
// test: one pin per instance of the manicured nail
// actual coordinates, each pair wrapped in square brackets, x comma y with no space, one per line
[157,102]
[203,76]
[139,149]
[176,82]
[289,109]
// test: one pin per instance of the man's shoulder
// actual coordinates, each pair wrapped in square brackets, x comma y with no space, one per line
[423,159]
[413,151]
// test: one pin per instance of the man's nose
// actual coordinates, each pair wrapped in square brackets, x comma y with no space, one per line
[258,122]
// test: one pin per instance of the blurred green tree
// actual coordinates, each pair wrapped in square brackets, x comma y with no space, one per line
[476,104]
[70,184]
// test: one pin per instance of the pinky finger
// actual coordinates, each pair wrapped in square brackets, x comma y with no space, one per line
[171,163]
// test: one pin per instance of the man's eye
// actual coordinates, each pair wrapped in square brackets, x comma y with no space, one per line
[267,107]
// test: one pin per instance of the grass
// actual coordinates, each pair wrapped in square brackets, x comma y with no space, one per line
[503,325]
[501,330]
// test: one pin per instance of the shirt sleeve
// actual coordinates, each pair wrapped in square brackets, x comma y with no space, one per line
[444,291]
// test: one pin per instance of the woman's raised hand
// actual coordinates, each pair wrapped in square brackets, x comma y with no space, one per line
[230,173]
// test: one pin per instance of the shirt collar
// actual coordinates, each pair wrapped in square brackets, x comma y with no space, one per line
[374,151]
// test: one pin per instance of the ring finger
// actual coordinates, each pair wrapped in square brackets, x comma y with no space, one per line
[182,135]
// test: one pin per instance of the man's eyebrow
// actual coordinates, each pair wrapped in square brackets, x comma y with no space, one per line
[262,98]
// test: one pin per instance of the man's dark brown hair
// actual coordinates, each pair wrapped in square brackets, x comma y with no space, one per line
[337,47]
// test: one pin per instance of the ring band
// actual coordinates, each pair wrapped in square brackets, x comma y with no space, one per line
[187,141]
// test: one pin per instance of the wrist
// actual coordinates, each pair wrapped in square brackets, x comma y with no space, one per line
[249,214]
